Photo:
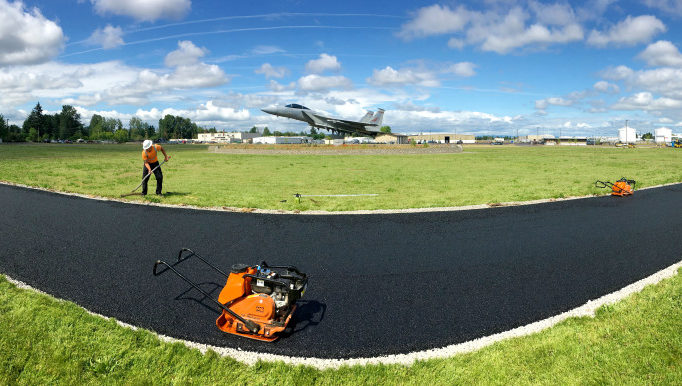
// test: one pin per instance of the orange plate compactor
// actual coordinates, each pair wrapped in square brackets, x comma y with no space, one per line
[622,187]
[257,301]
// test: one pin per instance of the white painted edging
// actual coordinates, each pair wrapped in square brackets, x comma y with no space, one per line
[249,357]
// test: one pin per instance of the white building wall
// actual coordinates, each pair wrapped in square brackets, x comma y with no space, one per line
[663,135]
[627,135]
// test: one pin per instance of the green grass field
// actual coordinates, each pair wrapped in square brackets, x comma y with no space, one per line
[480,175]
[636,341]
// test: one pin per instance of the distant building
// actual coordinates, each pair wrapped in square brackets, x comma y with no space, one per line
[223,137]
[627,135]
[335,141]
[572,141]
[663,135]
[281,140]
[541,138]
[442,138]
[391,138]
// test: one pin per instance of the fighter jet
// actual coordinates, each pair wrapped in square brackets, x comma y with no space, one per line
[367,125]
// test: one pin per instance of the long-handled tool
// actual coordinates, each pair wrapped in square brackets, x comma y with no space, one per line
[132,193]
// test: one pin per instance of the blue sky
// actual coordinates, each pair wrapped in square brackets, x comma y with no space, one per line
[480,67]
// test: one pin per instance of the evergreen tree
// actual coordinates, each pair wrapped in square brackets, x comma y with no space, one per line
[4,129]
[96,126]
[69,122]
[35,120]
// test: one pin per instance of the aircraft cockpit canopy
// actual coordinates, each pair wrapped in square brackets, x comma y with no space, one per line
[297,106]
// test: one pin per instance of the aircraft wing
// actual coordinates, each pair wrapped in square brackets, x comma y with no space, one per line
[359,125]
[339,125]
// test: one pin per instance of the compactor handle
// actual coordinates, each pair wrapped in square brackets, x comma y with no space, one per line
[252,326]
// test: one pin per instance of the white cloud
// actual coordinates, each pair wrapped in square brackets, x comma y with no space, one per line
[497,30]
[503,33]
[435,20]
[631,31]
[26,37]
[117,84]
[662,53]
[402,77]
[617,73]
[606,87]
[187,54]
[315,82]
[553,14]
[323,63]
[465,69]
[19,84]
[668,6]
[542,104]
[107,37]
[144,10]
[646,101]
[207,113]
[270,71]
[276,86]
[663,81]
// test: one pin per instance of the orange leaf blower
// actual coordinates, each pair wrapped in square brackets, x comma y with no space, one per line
[622,187]
[257,301]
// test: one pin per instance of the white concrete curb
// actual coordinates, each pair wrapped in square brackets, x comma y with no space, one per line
[249,357]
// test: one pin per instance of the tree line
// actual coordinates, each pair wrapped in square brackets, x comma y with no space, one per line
[68,125]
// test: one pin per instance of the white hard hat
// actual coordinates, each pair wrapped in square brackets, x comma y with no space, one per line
[146,144]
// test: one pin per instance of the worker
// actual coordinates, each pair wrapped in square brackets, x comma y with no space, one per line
[151,162]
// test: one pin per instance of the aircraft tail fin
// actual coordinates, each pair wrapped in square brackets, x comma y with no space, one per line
[367,117]
[377,118]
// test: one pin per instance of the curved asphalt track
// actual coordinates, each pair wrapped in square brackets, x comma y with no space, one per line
[379,284]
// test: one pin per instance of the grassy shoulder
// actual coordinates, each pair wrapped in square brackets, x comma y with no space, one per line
[268,181]
[635,341]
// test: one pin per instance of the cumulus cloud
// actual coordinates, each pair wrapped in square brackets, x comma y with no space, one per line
[668,6]
[435,20]
[185,72]
[314,82]
[208,112]
[646,101]
[19,84]
[403,77]
[542,104]
[26,36]
[496,30]
[606,87]
[144,10]
[270,71]
[662,53]
[276,86]
[465,69]
[323,63]
[107,37]
[631,31]
[617,73]
[187,54]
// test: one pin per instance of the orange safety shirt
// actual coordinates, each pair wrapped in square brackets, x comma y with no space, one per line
[150,157]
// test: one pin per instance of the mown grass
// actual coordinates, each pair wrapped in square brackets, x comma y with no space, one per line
[480,175]
[635,341]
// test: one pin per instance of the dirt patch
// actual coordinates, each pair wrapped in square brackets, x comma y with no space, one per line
[335,150]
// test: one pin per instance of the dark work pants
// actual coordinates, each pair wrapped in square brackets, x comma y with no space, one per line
[157,174]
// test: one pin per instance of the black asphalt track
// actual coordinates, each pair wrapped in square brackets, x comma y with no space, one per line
[379,284]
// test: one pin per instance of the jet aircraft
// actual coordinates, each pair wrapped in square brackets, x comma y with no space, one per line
[367,125]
